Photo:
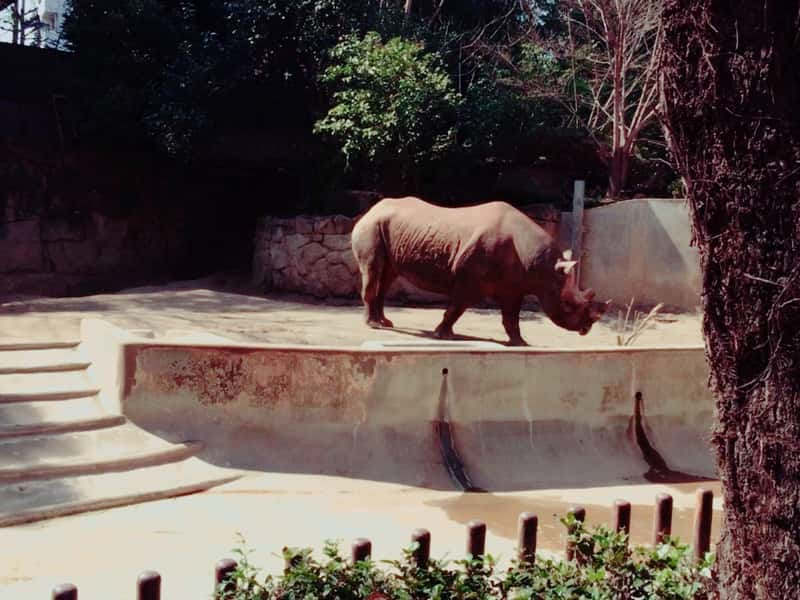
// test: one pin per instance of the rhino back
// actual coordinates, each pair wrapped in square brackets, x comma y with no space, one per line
[431,245]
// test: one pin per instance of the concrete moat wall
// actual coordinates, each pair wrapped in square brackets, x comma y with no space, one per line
[512,419]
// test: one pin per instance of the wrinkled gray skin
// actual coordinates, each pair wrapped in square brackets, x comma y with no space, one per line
[486,251]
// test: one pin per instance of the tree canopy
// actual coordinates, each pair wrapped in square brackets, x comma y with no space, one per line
[468,77]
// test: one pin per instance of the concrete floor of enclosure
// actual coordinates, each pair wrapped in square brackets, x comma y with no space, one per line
[102,552]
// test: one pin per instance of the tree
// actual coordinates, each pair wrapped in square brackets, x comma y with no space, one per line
[731,88]
[23,23]
[392,103]
[612,45]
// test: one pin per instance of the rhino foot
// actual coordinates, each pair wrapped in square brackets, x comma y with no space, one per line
[443,334]
[379,323]
[517,342]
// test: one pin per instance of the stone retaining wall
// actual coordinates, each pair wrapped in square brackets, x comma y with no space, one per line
[309,255]
[312,255]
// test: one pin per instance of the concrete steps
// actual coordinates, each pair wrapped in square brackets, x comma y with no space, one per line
[76,453]
[61,452]
[42,360]
[35,386]
[36,500]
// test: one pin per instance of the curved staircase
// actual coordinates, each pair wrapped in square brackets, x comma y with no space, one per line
[61,452]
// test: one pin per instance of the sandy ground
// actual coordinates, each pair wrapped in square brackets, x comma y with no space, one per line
[103,552]
[226,307]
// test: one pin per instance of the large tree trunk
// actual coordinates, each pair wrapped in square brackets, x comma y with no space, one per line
[731,101]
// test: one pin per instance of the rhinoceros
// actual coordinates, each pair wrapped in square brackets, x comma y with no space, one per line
[490,250]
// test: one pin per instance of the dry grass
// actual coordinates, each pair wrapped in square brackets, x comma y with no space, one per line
[629,329]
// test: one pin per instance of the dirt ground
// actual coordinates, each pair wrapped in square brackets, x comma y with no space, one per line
[226,306]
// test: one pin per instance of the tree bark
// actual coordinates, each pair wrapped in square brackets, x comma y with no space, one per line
[731,108]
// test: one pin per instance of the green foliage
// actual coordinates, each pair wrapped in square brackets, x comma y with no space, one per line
[172,73]
[606,569]
[391,102]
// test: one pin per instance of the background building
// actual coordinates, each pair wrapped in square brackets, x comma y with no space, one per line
[42,21]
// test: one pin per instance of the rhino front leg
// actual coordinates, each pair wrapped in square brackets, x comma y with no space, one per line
[510,308]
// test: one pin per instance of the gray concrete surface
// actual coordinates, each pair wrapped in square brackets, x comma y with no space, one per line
[514,420]
[641,249]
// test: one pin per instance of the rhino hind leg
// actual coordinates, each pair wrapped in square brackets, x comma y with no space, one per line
[387,277]
[444,330]
[510,308]
[374,276]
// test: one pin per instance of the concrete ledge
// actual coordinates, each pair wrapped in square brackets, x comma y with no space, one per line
[521,418]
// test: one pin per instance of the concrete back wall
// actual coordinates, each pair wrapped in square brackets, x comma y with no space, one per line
[641,249]
[519,419]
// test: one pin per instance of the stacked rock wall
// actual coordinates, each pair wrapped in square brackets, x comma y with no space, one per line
[308,255]
[312,255]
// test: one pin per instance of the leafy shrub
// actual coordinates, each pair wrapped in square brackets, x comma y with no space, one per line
[392,102]
[605,569]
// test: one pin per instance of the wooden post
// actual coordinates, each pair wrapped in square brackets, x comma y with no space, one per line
[422,554]
[148,586]
[476,538]
[526,546]
[662,518]
[65,591]
[577,226]
[222,572]
[622,516]
[702,523]
[361,549]
[580,515]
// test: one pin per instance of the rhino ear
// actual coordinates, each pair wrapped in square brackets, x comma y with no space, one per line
[565,265]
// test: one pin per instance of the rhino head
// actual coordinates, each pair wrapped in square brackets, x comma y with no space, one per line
[567,305]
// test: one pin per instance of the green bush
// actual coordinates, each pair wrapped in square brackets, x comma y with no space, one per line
[393,103]
[605,569]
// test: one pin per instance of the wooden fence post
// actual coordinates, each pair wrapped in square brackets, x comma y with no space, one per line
[662,518]
[222,571]
[704,512]
[622,516]
[580,515]
[65,591]
[422,554]
[148,586]
[476,538]
[361,549]
[526,546]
